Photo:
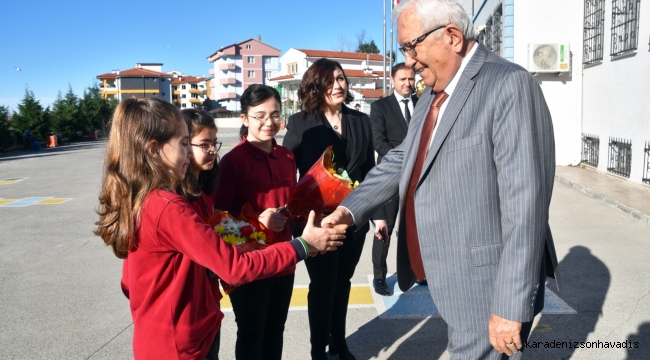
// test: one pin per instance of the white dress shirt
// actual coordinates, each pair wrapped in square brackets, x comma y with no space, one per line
[401,104]
[451,87]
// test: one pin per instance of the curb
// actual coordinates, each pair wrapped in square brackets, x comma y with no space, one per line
[631,212]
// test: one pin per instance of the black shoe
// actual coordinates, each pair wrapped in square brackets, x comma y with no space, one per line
[423,282]
[381,287]
[319,356]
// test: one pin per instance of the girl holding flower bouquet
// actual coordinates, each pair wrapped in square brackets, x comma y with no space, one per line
[325,121]
[261,173]
[146,218]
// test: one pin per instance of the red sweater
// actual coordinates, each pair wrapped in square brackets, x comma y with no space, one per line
[204,207]
[175,315]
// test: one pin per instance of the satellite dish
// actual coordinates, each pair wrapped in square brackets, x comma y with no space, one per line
[545,57]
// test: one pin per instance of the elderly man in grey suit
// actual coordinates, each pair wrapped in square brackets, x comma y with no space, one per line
[474,177]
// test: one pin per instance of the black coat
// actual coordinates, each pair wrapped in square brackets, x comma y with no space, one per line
[388,124]
[307,137]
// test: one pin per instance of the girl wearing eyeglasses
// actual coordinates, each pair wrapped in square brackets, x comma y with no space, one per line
[260,172]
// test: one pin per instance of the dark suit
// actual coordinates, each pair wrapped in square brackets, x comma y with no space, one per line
[389,129]
[330,274]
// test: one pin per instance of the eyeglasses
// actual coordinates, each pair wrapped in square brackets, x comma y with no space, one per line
[209,147]
[409,47]
[275,118]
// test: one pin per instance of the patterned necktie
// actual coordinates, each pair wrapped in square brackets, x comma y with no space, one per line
[411,233]
[407,112]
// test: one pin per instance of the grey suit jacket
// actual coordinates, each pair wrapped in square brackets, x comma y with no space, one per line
[482,201]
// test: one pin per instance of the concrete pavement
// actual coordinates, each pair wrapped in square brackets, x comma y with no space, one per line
[60,295]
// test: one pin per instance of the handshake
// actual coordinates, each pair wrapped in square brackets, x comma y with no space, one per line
[327,236]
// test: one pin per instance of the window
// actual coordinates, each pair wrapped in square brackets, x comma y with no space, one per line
[183,87]
[594,24]
[248,47]
[183,105]
[267,74]
[590,146]
[267,60]
[174,88]
[251,74]
[620,156]
[183,96]
[251,60]
[292,68]
[194,86]
[625,26]
[492,35]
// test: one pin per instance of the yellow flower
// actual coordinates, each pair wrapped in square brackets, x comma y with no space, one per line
[230,239]
[259,236]
[356,183]
[219,229]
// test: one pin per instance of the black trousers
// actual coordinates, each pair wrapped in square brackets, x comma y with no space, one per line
[261,309]
[388,212]
[329,292]
[213,354]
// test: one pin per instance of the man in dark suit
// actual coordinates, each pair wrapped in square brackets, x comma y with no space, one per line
[389,118]
[475,176]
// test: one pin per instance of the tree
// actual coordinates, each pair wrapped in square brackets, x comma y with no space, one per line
[30,116]
[94,111]
[5,138]
[65,115]
[368,48]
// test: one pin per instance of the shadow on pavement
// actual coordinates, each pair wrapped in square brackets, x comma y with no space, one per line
[18,155]
[583,287]
[642,339]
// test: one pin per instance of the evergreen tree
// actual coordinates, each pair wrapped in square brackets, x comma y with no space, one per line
[65,115]
[368,47]
[5,139]
[30,116]
[94,111]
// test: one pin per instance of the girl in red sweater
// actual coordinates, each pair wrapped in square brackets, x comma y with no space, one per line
[145,217]
[203,171]
[262,173]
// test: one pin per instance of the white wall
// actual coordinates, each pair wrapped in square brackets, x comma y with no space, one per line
[616,90]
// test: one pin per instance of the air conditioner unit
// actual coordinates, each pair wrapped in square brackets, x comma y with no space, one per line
[549,58]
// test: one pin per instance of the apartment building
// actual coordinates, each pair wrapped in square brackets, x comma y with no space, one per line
[239,65]
[189,91]
[145,80]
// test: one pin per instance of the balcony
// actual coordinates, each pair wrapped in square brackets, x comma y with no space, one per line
[195,100]
[228,81]
[227,66]
[211,71]
[227,95]
[176,92]
[193,91]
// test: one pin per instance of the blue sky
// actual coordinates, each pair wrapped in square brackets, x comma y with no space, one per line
[56,43]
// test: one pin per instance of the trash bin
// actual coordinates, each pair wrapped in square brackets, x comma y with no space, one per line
[92,135]
[51,140]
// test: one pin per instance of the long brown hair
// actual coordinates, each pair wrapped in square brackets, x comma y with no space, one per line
[196,121]
[130,171]
[313,88]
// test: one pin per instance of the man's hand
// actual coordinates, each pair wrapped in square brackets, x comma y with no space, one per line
[504,335]
[381,231]
[322,239]
[341,216]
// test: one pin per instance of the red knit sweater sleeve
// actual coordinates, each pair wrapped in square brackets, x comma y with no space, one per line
[181,229]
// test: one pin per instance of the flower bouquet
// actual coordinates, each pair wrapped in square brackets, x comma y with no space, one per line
[246,233]
[321,189]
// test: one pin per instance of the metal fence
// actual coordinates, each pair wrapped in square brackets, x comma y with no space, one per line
[590,149]
[625,26]
[494,34]
[594,24]
[620,156]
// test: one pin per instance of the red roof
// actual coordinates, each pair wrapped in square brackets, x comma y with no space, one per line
[240,43]
[373,94]
[283,77]
[359,74]
[187,79]
[340,55]
[135,72]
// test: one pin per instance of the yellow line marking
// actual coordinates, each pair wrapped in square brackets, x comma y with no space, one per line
[359,295]
[6,201]
[7,182]
[52,201]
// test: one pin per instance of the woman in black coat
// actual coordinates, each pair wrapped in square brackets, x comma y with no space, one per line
[326,121]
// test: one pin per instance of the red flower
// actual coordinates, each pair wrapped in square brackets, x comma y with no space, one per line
[246,231]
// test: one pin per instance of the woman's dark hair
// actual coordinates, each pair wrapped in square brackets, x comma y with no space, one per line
[254,95]
[313,88]
[196,121]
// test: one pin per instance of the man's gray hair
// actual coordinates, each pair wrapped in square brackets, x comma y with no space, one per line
[434,13]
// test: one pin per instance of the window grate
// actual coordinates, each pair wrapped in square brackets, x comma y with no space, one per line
[625,26]
[590,149]
[594,25]
[620,156]
[492,38]
[646,162]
